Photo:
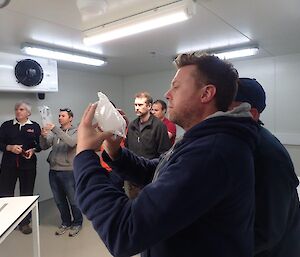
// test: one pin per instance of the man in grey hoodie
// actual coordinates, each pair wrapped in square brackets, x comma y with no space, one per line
[63,141]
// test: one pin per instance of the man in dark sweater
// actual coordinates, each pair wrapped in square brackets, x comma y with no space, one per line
[201,199]
[147,136]
[277,212]
[19,141]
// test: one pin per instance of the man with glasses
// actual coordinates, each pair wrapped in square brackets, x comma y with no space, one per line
[63,141]
[19,141]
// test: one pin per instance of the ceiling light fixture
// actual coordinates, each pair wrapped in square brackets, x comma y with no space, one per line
[237,53]
[57,54]
[147,20]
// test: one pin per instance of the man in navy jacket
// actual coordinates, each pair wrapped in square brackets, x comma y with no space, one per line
[201,199]
[277,212]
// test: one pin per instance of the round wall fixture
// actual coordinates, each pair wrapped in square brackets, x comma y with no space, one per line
[4,3]
[29,72]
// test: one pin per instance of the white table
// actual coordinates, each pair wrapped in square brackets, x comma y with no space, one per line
[15,209]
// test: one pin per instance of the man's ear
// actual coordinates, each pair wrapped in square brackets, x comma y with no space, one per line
[255,114]
[208,93]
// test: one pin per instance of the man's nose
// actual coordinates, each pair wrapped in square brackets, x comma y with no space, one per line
[167,94]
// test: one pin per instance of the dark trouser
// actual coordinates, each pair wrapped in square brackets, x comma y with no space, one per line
[8,179]
[63,188]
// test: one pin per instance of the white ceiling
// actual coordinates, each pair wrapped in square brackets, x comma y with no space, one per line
[273,24]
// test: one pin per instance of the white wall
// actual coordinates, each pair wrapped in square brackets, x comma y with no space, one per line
[279,76]
[76,90]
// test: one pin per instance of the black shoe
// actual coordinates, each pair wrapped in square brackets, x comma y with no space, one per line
[26,229]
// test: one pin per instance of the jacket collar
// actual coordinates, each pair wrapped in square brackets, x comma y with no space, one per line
[136,122]
[15,121]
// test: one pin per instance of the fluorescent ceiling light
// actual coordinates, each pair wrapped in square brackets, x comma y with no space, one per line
[230,52]
[161,16]
[237,53]
[56,54]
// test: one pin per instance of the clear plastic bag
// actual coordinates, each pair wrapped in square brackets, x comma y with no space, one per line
[108,117]
[46,115]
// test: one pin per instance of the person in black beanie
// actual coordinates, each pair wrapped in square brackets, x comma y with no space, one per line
[277,214]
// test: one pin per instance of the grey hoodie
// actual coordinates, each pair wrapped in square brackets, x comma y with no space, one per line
[63,145]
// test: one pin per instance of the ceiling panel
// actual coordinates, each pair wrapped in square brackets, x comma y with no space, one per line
[62,12]
[273,24]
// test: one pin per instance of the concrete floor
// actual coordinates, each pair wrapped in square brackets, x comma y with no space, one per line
[86,244]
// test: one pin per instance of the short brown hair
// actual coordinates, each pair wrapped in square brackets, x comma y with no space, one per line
[162,103]
[149,99]
[213,70]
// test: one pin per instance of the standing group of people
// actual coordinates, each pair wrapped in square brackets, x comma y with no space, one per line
[20,139]
[227,188]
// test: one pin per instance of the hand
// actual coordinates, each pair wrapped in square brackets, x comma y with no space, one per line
[49,126]
[112,146]
[44,132]
[28,154]
[88,137]
[17,149]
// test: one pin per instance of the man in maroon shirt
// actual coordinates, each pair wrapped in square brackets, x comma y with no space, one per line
[159,109]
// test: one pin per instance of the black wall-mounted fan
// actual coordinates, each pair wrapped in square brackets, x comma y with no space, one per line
[29,72]
[4,3]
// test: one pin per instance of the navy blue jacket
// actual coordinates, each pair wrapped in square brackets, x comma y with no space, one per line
[277,217]
[201,204]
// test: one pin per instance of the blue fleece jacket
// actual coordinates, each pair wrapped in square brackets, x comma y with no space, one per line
[200,204]
[277,215]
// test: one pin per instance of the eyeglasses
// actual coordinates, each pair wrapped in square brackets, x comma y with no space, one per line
[65,110]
